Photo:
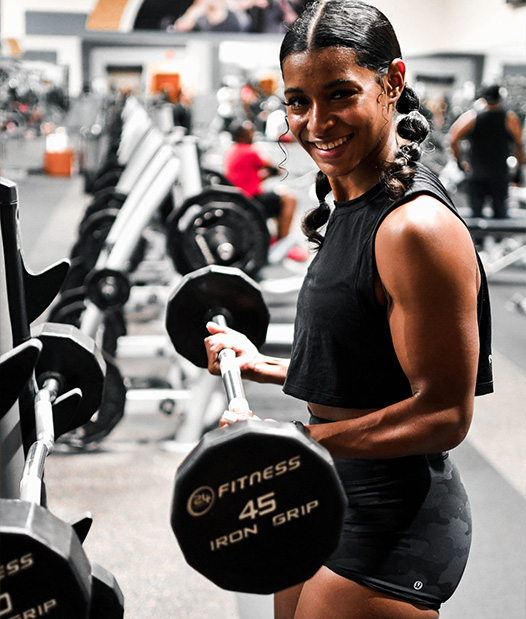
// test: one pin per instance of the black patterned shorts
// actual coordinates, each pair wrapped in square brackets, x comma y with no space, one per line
[407,529]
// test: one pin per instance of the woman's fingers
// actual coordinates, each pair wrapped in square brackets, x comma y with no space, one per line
[223,337]
[230,417]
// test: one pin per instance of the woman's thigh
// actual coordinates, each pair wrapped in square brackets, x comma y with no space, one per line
[328,595]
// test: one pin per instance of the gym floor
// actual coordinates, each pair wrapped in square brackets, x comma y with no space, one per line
[127,482]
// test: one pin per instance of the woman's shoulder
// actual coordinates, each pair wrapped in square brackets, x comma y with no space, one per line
[421,212]
[421,226]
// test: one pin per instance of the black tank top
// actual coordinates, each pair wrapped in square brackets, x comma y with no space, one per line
[490,146]
[343,353]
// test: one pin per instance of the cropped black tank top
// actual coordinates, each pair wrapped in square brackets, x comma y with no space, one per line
[343,353]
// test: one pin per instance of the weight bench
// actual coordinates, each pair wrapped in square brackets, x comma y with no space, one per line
[500,228]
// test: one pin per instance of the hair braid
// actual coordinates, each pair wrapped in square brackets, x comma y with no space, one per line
[318,216]
[413,128]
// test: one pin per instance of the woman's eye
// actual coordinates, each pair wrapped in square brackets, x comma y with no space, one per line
[295,103]
[343,94]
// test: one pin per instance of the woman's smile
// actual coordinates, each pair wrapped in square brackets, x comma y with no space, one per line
[331,145]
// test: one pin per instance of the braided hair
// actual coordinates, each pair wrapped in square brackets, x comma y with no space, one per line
[367,31]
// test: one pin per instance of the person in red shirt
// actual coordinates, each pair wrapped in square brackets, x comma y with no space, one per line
[246,166]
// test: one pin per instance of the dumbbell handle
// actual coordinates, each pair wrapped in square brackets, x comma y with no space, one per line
[31,482]
[231,375]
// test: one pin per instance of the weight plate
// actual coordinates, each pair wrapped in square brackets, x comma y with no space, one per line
[76,274]
[213,177]
[110,413]
[98,222]
[60,311]
[92,234]
[257,507]
[72,354]
[208,291]
[107,288]
[218,226]
[105,199]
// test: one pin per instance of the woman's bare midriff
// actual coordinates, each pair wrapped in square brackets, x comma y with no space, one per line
[334,413]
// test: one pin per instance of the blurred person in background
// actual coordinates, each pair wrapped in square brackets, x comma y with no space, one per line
[494,134]
[247,166]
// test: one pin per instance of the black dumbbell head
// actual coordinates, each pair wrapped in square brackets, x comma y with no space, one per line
[257,507]
[214,290]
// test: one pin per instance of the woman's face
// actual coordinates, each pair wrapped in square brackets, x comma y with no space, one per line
[341,115]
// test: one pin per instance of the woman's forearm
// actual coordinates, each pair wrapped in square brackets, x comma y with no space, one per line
[407,428]
[265,369]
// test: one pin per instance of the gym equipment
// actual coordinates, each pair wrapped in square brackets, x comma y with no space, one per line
[51,382]
[134,128]
[248,498]
[221,226]
[16,368]
[107,288]
[214,225]
[500,228]
[68,310]
[77,365]
[211,291]
[23,297]
[44,568]
[110,412]
[107,600]
[96,305]
[112,197]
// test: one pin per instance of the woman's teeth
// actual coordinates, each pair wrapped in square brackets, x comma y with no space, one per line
[331,145]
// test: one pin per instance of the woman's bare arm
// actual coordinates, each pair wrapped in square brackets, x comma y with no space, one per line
[427,266]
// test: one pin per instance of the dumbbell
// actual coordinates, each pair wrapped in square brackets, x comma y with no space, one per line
[107,600]
[257,507]
[44,569]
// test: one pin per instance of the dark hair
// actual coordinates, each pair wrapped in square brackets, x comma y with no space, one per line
[239,128]
[491,93]
[368,32]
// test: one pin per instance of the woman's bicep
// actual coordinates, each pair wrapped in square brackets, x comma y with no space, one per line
[431,286]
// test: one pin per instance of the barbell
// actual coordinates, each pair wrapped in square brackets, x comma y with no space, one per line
[257,507]
[44,569]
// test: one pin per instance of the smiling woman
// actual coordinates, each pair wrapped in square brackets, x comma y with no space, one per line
[392,338]
[342,115]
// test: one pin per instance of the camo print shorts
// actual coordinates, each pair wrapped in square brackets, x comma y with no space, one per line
[407,529]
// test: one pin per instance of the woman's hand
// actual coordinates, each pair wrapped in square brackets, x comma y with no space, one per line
[253,365]
[224,337]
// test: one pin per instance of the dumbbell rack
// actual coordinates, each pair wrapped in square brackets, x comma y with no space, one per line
[44,567]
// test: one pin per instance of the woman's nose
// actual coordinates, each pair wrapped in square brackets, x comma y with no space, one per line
[320,119]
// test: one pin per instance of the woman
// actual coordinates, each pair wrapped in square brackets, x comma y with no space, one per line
[392,335]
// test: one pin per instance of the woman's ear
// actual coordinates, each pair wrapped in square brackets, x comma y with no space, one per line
[395,80]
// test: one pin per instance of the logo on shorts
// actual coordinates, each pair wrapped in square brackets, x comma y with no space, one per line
[418,585]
